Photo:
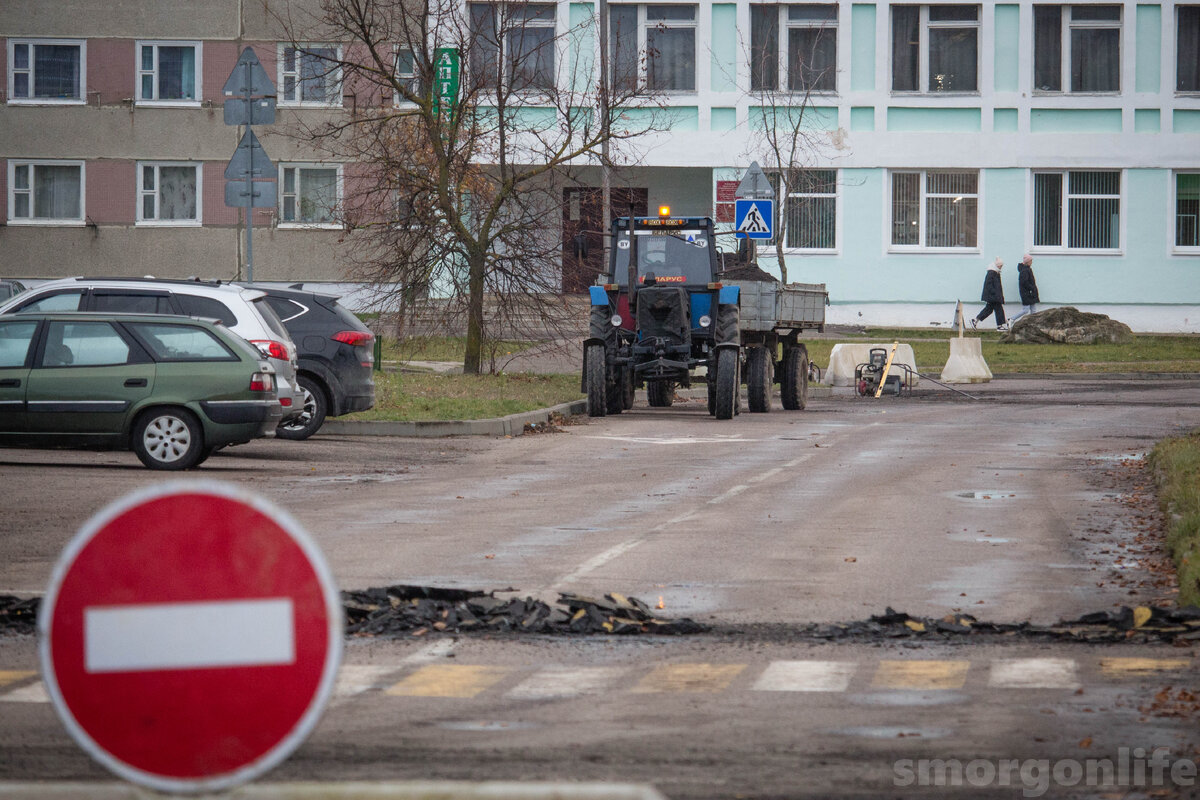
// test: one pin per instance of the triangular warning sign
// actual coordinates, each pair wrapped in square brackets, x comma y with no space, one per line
[753,222]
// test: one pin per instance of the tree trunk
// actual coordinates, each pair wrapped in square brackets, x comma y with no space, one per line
[779,253]
[473,358]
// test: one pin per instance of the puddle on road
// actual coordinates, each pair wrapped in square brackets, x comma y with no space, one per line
[890,732]
[985,494]
[1117,457]
[487,725]
[974,537]
[939,698]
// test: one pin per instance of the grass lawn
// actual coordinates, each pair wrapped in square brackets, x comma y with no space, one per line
[405,396]
[1176,466]
[441,348]
[931,348]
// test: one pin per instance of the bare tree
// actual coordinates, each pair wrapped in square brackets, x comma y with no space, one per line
[787,139]
[464,202]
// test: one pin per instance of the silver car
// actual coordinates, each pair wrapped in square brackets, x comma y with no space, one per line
[240,309]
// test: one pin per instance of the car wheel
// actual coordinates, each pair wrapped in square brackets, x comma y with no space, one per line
[168,438]
[311,418]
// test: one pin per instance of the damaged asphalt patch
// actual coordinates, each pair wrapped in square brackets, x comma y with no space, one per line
[404,610]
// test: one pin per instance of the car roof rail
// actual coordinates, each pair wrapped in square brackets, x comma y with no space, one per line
[151,279]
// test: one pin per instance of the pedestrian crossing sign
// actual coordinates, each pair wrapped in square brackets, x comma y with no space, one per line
[754,218]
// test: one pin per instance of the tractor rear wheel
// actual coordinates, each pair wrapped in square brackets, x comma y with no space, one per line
[728,383]
[660,393]
[758,379]
[794,391]
[594,380]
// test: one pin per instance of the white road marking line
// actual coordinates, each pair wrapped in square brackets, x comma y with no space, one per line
[33,693]
[795,462]
[596,562]
[732,492]
[566,682]
[768,474]
[805,676]
[164,636]
[1033,673]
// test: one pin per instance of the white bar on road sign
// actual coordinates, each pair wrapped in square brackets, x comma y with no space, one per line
[233,633]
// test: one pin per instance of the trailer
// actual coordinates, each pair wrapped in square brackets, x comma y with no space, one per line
[663,316]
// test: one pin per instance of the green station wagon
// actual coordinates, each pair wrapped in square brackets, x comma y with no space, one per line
[173,389]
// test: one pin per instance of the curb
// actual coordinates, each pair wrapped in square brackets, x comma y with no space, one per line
[512,425]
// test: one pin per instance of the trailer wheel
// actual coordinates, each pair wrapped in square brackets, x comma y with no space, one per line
[794,391]
[594,380]
[728,383]
[758,379]
[660,393]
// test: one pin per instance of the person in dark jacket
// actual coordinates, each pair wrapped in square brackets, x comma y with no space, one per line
[993,295]
[1027,285]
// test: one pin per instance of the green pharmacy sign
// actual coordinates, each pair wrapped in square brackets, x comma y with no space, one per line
[445,82]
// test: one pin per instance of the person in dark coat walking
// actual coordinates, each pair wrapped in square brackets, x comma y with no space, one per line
[1027,285]
[993,295]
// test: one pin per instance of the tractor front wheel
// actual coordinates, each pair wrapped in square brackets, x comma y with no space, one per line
[728,383]
[660,393]
[594,380]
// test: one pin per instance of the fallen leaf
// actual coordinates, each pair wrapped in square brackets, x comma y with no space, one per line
[1086,743]
[490,555]
[913,625]
[850,560]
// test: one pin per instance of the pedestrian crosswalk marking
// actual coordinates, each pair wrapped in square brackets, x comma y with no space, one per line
[9,676]
[1033,673]
[33,693]
[355,679]
[449,680]
[920,675]
[1141,666]
[564,682]
[689,678]
[805,676]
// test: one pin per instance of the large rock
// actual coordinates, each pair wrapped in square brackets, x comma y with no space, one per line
[1068,325]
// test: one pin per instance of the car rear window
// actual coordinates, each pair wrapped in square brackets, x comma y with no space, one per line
[194,305]
[84,344]
[181,342]
[272,319]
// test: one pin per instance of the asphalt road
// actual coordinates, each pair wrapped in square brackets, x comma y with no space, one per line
[1029,504]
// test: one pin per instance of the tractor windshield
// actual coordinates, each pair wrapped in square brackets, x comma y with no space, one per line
[680,256]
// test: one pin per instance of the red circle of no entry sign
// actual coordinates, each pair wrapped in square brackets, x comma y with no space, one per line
[190,636]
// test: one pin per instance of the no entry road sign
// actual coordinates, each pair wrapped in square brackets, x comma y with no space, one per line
[190,636]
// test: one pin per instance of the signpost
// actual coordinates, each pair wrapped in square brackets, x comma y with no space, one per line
[250,176]
[190,636]
[445,83]
[754,210]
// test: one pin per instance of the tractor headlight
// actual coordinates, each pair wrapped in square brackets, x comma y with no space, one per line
[705,321]
[616,320]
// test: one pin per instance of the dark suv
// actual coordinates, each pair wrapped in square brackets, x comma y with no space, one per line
[336,357]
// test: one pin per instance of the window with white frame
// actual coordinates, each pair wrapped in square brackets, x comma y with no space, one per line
[797,43]
[935,209]
[1077,48]
[47,70]
[1187,49]
[653,47]
[809,219]
[309,194]
[513,43]
[45,192]
[310,75]
[1077,209]
[406,74]
[169,193]
[1187,211]
[935,48]
[169,72]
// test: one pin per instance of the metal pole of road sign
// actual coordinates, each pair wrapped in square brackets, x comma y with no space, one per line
[250,162]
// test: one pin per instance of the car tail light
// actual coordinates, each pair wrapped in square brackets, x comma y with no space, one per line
[354,338]
[272,348]
[261,382]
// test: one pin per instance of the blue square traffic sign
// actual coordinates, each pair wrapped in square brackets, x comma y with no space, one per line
[754,218]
